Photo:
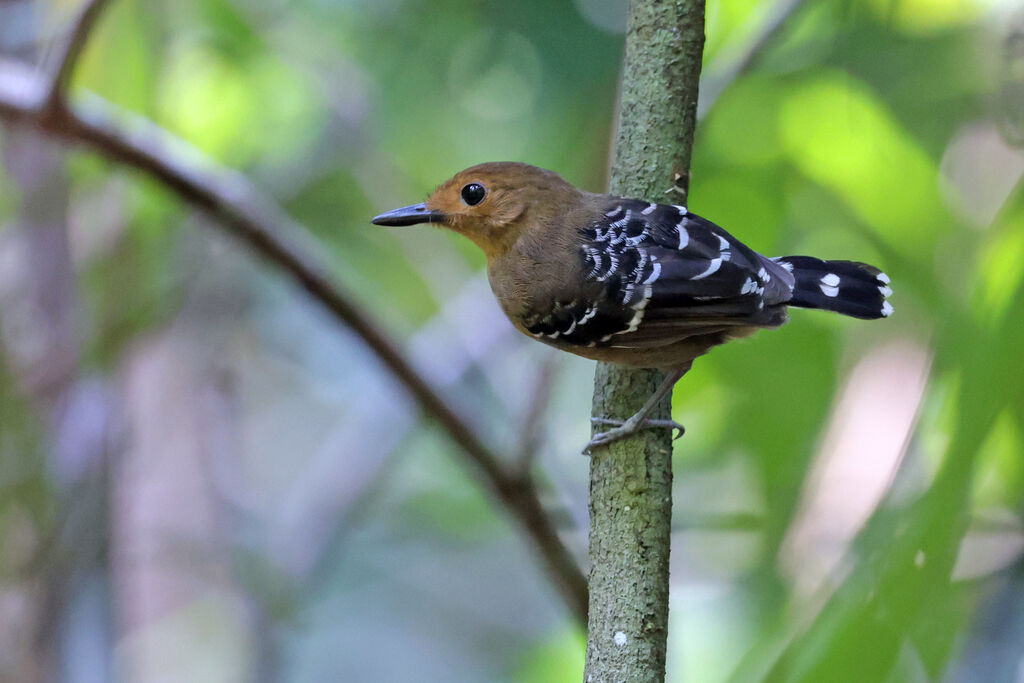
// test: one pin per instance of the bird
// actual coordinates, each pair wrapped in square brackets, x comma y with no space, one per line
[629,281]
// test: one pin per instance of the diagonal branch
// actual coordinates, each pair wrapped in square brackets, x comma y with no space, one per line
[71,49]
[240,210]
[721,77]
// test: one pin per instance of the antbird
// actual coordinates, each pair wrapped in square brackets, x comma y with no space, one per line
[629,281]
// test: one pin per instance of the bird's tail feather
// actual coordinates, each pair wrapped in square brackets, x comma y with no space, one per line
[847,287]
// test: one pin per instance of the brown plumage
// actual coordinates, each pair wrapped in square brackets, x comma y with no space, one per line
[624,280]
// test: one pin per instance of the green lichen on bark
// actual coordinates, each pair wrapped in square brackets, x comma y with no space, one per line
[631,480]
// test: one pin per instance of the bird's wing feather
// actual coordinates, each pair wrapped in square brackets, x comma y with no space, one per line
[655,274]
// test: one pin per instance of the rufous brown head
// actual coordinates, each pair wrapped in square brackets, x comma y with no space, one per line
[488,203]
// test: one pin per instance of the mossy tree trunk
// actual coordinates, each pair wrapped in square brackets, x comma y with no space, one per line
[631,480]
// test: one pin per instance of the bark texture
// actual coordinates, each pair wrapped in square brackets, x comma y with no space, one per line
[631,480]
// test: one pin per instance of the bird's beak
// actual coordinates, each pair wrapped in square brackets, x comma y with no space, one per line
[409,215]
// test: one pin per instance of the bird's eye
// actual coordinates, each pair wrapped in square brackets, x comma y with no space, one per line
[473,193]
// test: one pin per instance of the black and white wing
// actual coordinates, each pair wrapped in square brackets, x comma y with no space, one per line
[654,274]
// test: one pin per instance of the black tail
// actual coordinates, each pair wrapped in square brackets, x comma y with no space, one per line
[846,287]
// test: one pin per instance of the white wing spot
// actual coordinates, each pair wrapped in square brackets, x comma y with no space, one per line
[597,258]
[829,291]
[633,241]
[628,296]
[649,210]
[635,322]
[638,271]
[684,236]
[716,263]
[613,211]
[748,287]
[762,274]
[611,268]
[786,264]
[637,317]
[681,209]
[724,248]
[655,273]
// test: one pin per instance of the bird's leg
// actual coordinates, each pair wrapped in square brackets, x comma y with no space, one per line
[639,420]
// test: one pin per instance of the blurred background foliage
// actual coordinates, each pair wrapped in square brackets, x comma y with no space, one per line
[202,479]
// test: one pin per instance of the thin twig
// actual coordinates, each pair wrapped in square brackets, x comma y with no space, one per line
[71,49]
[721,78]
[242,211]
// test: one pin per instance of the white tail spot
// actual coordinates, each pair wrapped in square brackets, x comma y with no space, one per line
[829,291]
[832,280]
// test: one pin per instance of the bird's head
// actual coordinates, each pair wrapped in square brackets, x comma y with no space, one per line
[492,204]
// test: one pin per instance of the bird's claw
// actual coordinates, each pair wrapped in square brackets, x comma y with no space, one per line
[628,428]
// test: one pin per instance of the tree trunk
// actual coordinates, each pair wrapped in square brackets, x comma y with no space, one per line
[631,480]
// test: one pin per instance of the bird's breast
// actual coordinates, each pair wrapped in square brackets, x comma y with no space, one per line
[512,284]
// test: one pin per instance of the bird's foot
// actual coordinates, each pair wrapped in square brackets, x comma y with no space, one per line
[628,428]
